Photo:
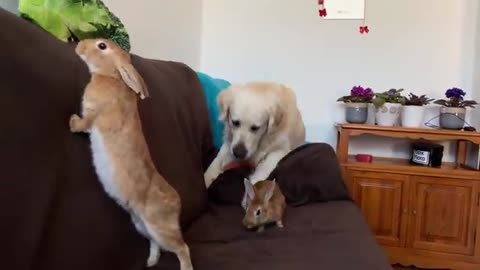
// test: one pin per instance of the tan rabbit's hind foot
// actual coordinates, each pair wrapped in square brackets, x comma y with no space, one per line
[77,124]
[280,224]
[154,254]
[184,258]
[172,240]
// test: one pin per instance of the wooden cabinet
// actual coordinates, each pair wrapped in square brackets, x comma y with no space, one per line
[422,216]
[382,199]
[443,215]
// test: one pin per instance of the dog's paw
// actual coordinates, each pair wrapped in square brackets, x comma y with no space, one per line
[210,176]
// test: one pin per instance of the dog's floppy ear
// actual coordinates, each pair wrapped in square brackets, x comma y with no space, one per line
[224,101]
[276,118]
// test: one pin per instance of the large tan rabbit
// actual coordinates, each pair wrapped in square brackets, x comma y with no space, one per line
[120,153]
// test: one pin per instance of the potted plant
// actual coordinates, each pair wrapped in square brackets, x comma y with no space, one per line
[452,113]
[388,106]
[357,104]
[413,110]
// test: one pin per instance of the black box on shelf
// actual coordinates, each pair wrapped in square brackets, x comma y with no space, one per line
[427,153]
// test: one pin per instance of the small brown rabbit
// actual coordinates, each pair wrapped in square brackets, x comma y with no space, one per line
[120,153]
[265,204]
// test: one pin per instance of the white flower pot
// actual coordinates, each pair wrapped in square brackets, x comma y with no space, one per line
[388,114]
[412,116]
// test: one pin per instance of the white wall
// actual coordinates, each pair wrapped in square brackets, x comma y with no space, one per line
[167,29]
[476,84]
[10,5]
[418,45]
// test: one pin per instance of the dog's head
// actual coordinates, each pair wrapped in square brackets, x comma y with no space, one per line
[249,117]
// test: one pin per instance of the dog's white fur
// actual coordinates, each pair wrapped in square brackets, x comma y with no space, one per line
[270,107]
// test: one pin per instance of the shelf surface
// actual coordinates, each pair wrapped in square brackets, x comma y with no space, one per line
[375,128]
[448,169]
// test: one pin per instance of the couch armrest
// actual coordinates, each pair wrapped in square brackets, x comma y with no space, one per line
[310,173]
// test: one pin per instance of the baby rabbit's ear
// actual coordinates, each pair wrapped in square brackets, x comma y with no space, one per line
[133,79]
[249,189]
[271,189]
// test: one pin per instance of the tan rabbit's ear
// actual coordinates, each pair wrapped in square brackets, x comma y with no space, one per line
[271,189]
[249,189]
[133,79]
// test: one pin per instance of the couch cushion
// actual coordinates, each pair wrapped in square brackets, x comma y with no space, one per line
[330,235]
[56,214]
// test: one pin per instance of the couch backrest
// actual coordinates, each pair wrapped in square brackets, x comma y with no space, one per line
[55,214]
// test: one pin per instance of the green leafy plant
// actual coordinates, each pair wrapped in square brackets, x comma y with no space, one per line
[74,20]
[390,96]
[414,100]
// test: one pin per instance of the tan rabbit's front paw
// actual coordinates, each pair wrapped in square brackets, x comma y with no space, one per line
[75,123]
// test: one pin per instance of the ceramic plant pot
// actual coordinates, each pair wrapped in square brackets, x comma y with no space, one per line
[412,116]
[452,117]
[388,115]
[356,113]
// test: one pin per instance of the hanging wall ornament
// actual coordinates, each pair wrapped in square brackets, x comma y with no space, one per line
[322,12]
[364,28]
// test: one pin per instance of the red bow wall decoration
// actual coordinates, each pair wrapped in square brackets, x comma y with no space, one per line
[323,12]
[364,29]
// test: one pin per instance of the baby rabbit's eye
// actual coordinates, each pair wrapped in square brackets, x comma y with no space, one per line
[258,212]
[102,46]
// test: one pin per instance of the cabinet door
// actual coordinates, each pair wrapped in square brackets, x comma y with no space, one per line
[444,215]
[383,199]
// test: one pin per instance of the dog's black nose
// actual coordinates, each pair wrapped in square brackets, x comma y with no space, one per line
[239,151]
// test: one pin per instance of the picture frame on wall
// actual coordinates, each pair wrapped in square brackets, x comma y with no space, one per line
[345,9]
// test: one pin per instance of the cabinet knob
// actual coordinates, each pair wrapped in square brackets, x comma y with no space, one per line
[414,212]
[405,210]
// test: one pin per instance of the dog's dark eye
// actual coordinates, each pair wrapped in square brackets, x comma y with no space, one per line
[258,212]
[254,128]
[235,123]
[102,46]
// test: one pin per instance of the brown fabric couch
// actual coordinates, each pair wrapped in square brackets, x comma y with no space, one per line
[56,216]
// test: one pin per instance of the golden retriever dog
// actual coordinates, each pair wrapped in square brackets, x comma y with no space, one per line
[262,125]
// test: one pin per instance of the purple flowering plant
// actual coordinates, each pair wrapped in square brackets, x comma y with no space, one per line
[455,98]
[358,94]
